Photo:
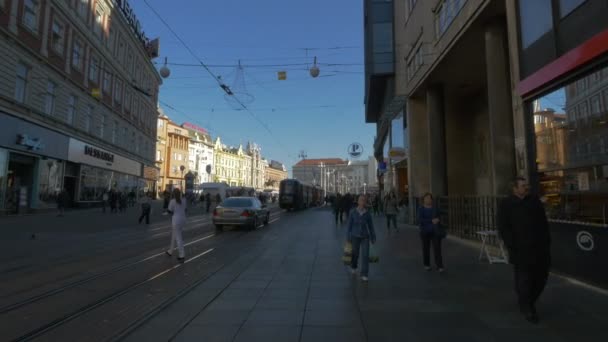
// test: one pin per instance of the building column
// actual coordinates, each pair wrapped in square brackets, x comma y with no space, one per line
[502,144]
[436,140]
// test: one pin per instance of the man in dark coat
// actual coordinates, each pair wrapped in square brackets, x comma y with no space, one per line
[523,226]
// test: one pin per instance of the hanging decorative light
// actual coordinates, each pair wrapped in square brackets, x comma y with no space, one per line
[314,70]
[164,70]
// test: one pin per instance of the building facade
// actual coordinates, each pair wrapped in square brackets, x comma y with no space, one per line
[79,91]
[274,173]
[200,157]
[255,166]
[174,162]
[230,164]
[493,89]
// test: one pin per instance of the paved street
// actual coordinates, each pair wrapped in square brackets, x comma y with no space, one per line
[283,282]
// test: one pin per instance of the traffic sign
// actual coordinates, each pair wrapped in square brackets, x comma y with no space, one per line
[355,150]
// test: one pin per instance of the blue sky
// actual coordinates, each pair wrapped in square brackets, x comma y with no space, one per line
[321,116]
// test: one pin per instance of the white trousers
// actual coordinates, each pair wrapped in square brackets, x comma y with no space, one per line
[176,236]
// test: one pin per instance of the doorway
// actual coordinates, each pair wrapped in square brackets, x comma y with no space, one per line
[20,174]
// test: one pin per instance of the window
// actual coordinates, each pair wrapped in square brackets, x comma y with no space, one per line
[125,136]
[77,55]
[160,123]
[107,81]
[567,6]
[83,8]
[94,69]
[30,14]
[596,106]
[98,27]
[536,19]
[114,132]
[102,125]
[118,91]
[21,82]
[49,98]
[132,140]
[446,13]
[58,37]
[127,100]
[129,64]
[72,102]
[111,37]
[138,145]
[584,110]
[87,118]
[121,50]
[157,154]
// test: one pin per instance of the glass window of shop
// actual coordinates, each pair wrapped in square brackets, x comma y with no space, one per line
[571,151]
[3,169]
[50,176]
[94,182]
[536,19]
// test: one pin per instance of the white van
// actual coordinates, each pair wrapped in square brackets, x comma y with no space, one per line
[215,188]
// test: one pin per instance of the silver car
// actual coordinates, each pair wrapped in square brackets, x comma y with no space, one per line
[240,211]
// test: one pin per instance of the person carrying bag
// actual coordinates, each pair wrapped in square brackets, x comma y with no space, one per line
[360,233]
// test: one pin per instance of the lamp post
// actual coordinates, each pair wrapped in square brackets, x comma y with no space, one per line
[182,168]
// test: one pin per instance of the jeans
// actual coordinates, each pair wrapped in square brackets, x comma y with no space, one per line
[145,213]
[389,218]
[530,281]
[427,239]
[360,246]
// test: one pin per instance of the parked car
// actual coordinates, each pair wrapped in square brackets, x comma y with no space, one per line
[240,211]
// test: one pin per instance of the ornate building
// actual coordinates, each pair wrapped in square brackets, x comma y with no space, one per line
[275,172]
[200,157]
[229,164]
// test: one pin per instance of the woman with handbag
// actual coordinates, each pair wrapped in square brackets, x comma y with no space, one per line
[360,233]
[430,232]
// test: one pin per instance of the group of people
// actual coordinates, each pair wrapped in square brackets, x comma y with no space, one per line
[389,206]
[118,201]
[522,224]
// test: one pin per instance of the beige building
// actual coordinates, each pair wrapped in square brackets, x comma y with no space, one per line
[274,173]
[172,154]
[229,164]
[76,81]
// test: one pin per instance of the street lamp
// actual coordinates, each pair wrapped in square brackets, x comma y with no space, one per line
[182,168]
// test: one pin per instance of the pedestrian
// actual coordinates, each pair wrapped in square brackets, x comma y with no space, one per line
[375,204]
[218,199]
[166,199]
[524,228]
[391,209]
[63,200]
[122,202]
[208,201]
[430,232]
[104,201]
[177,210]
[146,209]
[360,233]
[337,202]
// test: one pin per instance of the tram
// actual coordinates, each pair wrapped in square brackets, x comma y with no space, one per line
[295,195]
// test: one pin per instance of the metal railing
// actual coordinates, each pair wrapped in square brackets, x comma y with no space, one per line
[464,216]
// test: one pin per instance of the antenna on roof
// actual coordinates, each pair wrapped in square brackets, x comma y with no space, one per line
[302,155]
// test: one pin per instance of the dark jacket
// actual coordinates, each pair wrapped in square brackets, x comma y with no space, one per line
[361,226]
[425,219]
[524,228]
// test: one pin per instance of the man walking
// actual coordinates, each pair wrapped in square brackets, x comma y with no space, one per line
[523,226]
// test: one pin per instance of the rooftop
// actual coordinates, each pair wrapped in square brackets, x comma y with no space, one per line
[317,162]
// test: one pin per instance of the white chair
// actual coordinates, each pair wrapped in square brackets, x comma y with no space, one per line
[485,236]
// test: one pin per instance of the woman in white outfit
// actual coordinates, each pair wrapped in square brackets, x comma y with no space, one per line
[177,207]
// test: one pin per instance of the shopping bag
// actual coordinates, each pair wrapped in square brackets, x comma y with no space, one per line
[373,256]
[348,248]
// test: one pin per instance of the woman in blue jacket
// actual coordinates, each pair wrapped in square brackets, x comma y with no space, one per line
[430,232]
[360,233]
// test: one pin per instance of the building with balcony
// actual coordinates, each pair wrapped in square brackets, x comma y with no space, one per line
[172,153]
[200,156]
[78,94]
[274,173]
[229,164]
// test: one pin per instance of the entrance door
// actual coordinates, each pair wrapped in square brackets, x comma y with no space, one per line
[20,174]
[69,184]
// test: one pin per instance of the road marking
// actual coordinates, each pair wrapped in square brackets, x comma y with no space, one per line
[275,220]
[200,255]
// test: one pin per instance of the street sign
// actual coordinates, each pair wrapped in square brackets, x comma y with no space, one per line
[355,150]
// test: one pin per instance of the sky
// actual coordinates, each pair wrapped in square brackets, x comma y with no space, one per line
[321,116]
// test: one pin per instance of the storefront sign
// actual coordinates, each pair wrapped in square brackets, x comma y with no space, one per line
[397,153]
[132,20]
[151,173]
[194,128]
[99,154]
[81,152]
[33,144]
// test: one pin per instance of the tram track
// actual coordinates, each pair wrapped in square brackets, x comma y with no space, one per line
[107,298]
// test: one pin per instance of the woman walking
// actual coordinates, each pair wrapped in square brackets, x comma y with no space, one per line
[360,233]
[177,209]
[391,208]
[430,232]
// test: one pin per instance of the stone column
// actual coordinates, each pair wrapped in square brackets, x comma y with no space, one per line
[436,140]
[502,144]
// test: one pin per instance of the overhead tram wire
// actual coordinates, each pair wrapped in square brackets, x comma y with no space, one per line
[222,85]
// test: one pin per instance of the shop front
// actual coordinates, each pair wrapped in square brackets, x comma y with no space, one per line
[151,177]
[99,171]
[32,163]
